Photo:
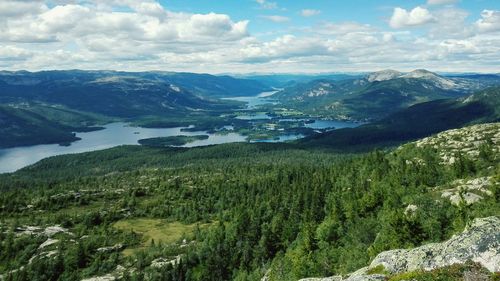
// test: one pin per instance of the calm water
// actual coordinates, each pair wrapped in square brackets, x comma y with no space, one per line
[266,98]
[254,101]
[114,134]
[329,124]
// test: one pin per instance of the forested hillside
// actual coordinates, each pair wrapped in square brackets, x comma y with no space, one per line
[29,124]
[417,121]
[235,211]
[379,94]
[48,106]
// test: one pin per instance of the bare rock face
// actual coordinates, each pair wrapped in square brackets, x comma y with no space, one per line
[469,191]
[332,278]
[383,75]
[467,141]
[373,277]
[480,242]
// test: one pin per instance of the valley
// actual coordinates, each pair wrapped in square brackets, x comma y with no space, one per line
[167,184]
[257,140]
[158,213]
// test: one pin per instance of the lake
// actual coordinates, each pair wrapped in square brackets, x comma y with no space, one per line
[115,134]
[254,101]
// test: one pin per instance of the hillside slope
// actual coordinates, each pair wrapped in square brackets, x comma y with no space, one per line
[110,94]
[378,94]
[41,124]
[237,211]
[477,243]
[415,122]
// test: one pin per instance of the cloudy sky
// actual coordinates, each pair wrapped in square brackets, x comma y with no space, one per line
[220,36]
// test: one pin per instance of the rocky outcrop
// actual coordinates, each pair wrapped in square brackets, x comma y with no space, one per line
[479,242]
[373,277]
[469,191]
[466,141]
[332,278]
[113,248]
[162,262]
[117,274]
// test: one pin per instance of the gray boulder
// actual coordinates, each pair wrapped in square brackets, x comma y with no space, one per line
[479,242]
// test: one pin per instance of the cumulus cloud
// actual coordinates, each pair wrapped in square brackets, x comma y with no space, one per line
[10,8]
[441,2]
[148,22]
[310,12]
[276,18]
[490,21]
[403,18]
[144,35]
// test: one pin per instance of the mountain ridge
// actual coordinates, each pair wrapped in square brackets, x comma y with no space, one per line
[417,121]
[377,94]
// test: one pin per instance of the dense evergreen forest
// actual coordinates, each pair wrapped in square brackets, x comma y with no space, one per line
[231,212]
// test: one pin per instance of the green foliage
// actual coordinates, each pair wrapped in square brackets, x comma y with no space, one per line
[171,141]
[298,212]
[456,272]
[379,269]
[417,121]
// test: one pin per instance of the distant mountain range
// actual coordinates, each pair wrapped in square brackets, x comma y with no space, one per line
[123,94]
[288,80]
[379,94]
[205,85]
[47,106]
[415,122]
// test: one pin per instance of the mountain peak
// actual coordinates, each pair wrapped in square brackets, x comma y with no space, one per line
[383,75]
[420,73]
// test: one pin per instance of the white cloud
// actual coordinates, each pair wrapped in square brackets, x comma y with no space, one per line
[9,8]
[441,2]
[490,21]
[10,53]
[450,23]
[144,35]
[264,4]
[453,46]
[330,28]
[276,18]
[284,47]
[403,18]
[309,12]
[148,22]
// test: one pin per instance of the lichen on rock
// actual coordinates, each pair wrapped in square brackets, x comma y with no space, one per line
[479,242]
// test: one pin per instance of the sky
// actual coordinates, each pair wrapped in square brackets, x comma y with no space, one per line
[251,36]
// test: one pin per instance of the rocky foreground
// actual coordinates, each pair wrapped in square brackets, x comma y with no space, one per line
[479,242]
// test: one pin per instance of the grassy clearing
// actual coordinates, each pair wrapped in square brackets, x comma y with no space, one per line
[154,229]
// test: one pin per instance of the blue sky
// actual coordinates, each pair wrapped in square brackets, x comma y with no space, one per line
[251,35]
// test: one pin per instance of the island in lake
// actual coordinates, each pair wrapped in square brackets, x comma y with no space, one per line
[171,141]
